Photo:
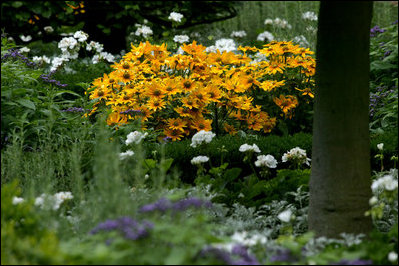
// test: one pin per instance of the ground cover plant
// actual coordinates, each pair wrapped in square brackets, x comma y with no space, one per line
[190,145]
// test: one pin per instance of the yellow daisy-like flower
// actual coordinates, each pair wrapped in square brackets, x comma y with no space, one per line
[115,118]
[189,102]
[174,134]
[155,104]
[286,103]
[202,124]
[176,123]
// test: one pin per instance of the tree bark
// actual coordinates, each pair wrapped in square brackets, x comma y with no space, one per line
[341,179]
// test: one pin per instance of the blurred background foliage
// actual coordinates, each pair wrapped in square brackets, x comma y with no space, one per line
[111,21]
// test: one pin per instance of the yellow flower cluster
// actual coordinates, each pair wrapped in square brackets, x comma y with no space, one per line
[180,94]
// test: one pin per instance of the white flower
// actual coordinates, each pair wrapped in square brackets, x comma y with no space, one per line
[380,146]
[175,16]
[244,239]
[124,155]
[238,34]
[309,15]
[296,154]
[53,201]
[57,61]
[81,36]
[387,182]
[135,137]
[107,56]
[373,200]
[245,147]
[41,59]
[285,216]
[48,29]
[67,43]
[181,38]
[96,46]
[143,30]
[40,200]
[301,40]
[24,50]
[282,23]
[202,137]
[393,256]
[224,44]
[17,200]
[26,38]
[265,36]
[266,160]
[311,29]
[211,49]
[268,21]
[199,159]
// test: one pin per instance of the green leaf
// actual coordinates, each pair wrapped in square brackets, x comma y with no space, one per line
[149,163]
[231,174]
[17,4]
[27,103]
[166,164]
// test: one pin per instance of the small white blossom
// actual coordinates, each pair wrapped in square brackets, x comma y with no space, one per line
[124,155]
[24,50]
[175,16]
[135,137]
[309,15]
[238,34]
[48,29]
[17,200]
[301,40]
[53,201]
[296,154]
[107,56]
[143,30]
[224,44]
[199,159]
[67,43]
[56,62]
[41,59]
[265,36]
[380,146]
[96,46]
[268,21]
[202,137]
[373,200]
[246,147]
[393,256]
[266,160]
[311,29]
[181,38]
[81,36]
[285,216]
[26,38]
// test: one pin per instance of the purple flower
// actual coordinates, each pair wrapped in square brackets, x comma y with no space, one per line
[161,205]
[376,30]
[164,205]
[129,228]
[46,78]
[217,253]
[75,110]
[129,111]
[246,258]
[15,54]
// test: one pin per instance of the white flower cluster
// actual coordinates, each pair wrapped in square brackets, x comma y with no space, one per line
[96,46]
[68,44]
[199,160]
[285,216]
[266,161]
[202,137]
[222,45]
[242,238]
[258,57]
[309,15]
[57,62]
[296,154]
[17,200]
[53,201]
[387,182]
[81,36]
[181,38]
[143,30]
[175,16]
[135,137]
[311,29]
[24,49]
[238,34]
[278,22]
[246,147]
[26,38]
[301,40]
[103,56]
[41,59]
[124,155]
[48,29]
[265,36]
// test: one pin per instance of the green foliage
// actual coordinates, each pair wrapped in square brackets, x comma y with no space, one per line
[23,238]
[384,78]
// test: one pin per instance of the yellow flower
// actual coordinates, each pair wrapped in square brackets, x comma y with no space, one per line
[202,124]
[155,104]
[115,118]
[174,134]
[286,103]
[306,91]
[176,123]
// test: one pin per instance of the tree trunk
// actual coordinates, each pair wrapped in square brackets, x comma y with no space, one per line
[340,179]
